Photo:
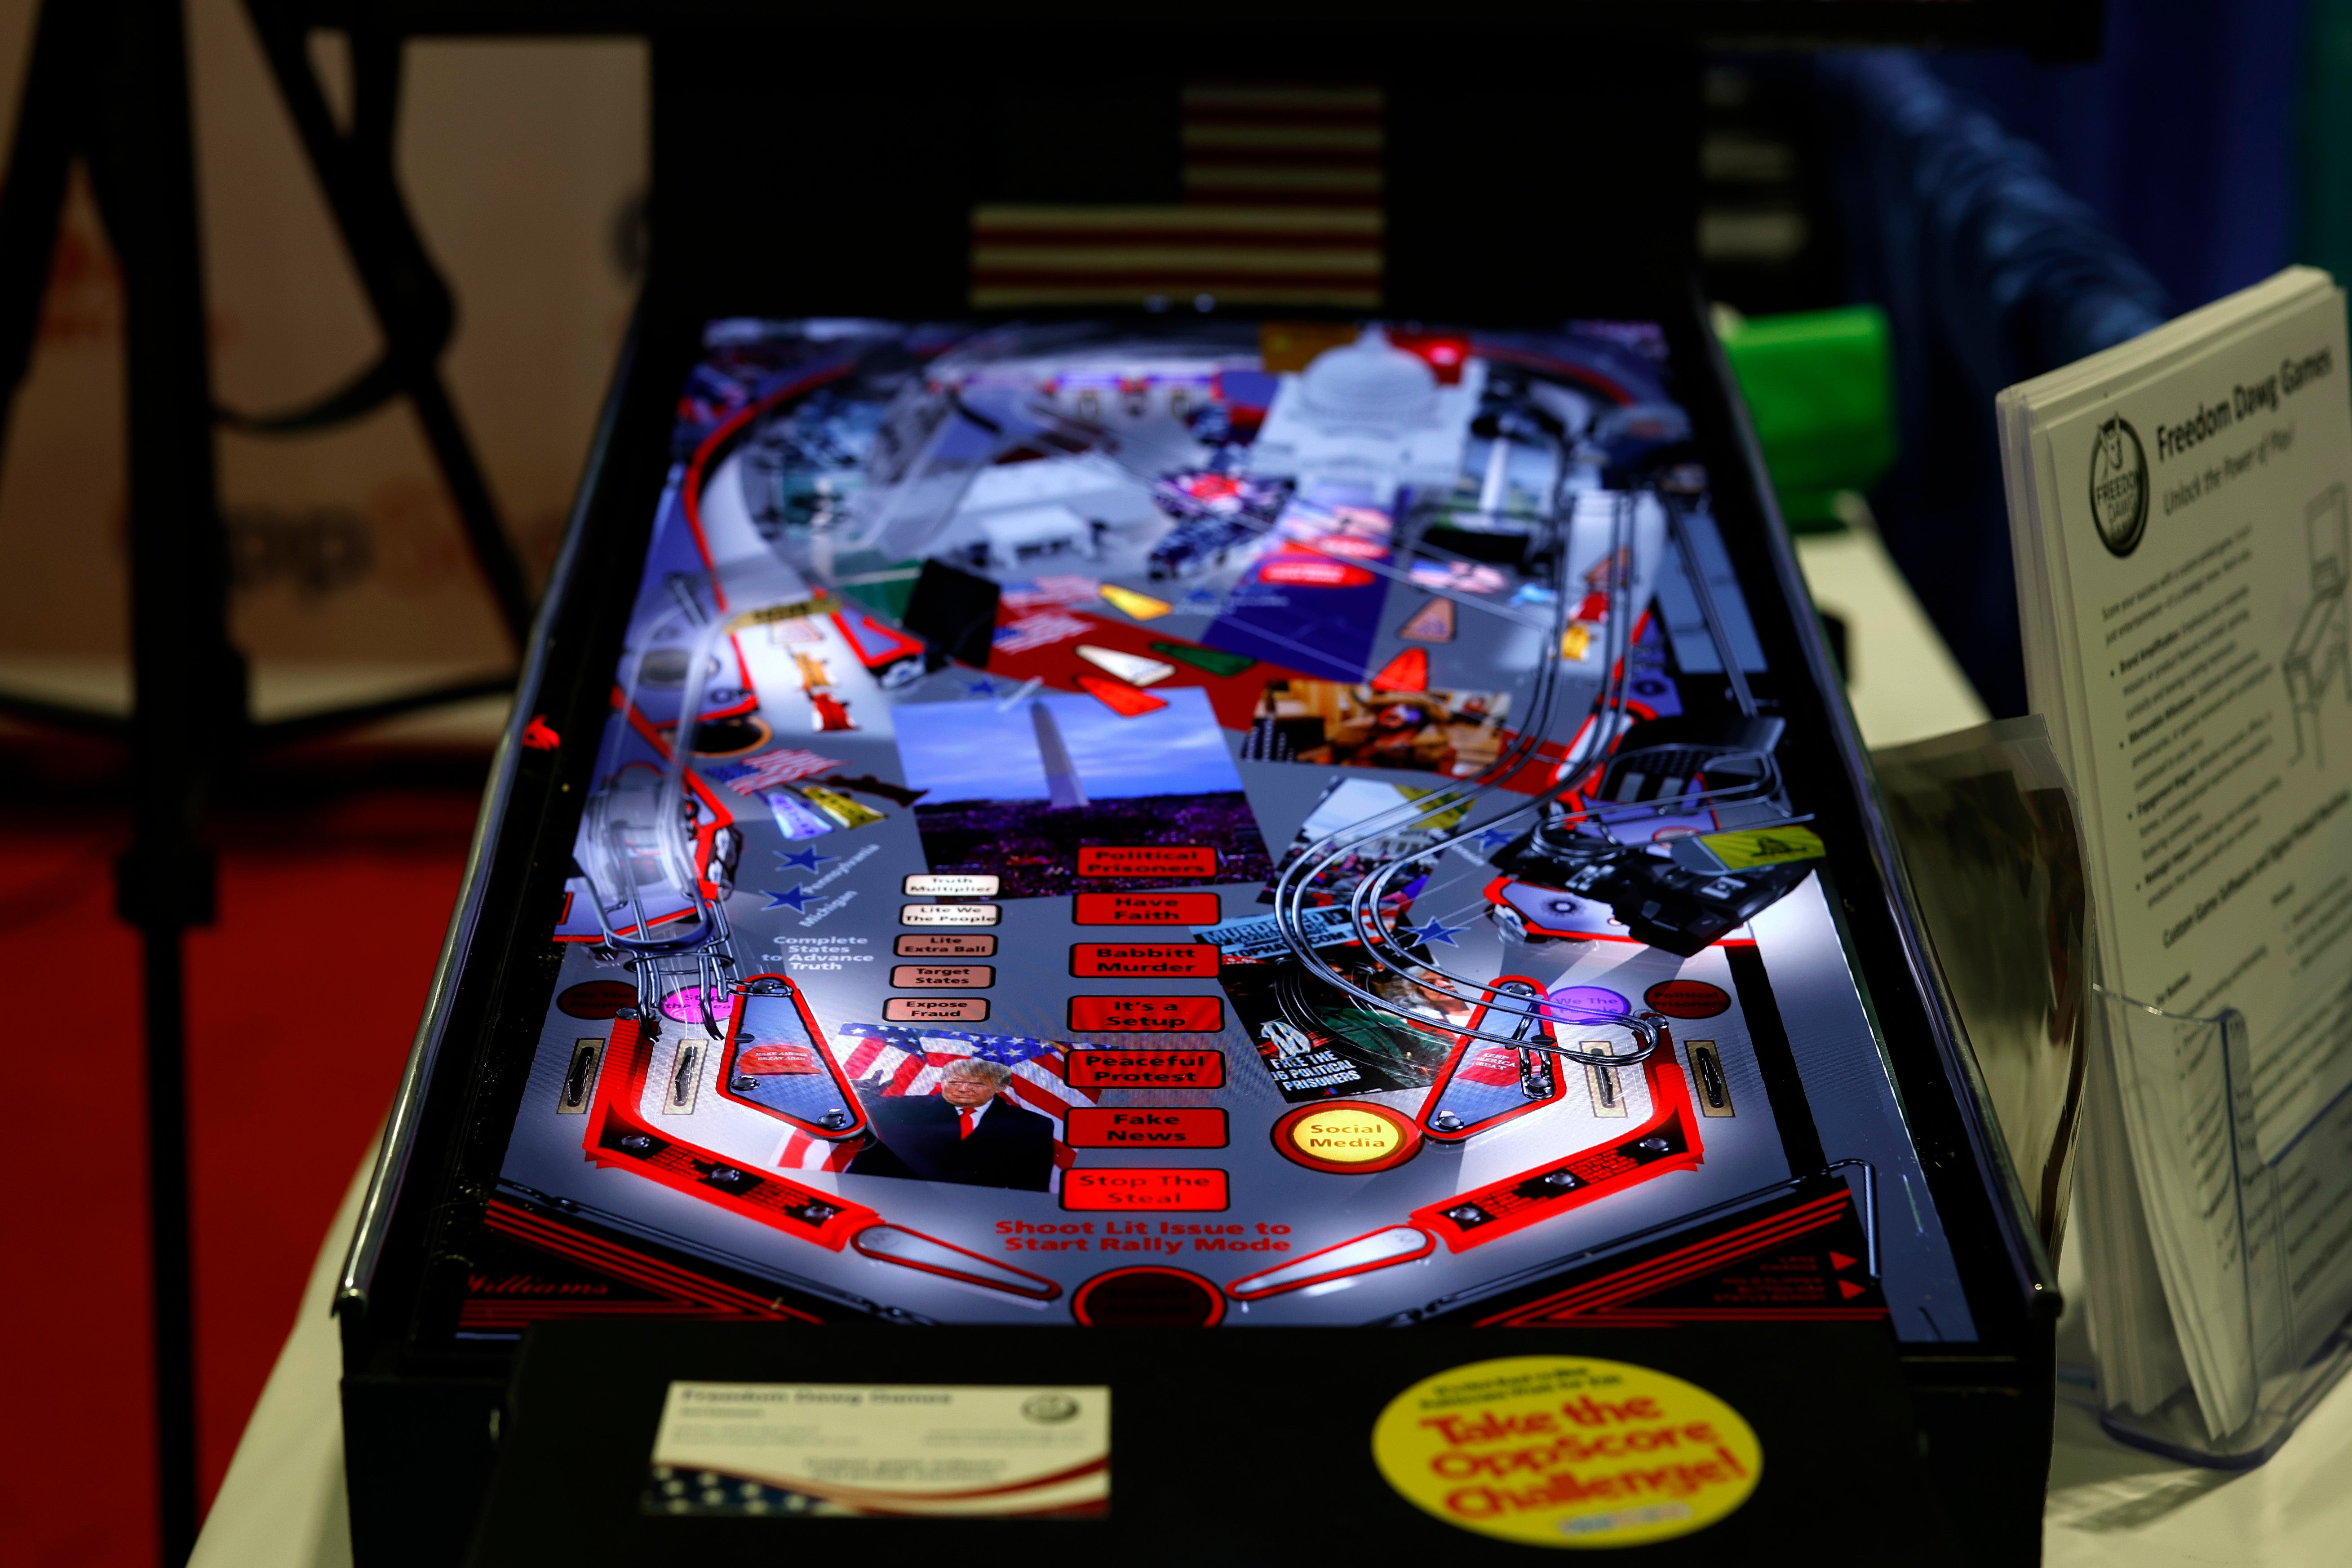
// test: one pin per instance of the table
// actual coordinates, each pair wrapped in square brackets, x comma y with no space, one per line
[2114,1505]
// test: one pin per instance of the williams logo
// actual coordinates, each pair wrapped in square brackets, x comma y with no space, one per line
[2118,486]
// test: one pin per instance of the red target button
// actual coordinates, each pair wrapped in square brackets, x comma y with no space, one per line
[1174,1015]
[1688,998]
[762,1059]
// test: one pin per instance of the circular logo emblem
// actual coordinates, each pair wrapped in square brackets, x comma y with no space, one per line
[1566,1451]
[1051,1405]
[2118,485]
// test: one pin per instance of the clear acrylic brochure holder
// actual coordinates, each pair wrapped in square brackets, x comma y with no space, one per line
[2242,1336]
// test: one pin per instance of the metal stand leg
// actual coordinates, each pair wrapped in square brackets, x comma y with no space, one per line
[108,82]
[168,1249]
[188,684]
[412,304]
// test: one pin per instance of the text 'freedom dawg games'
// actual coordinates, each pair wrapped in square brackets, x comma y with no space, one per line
[1191,823]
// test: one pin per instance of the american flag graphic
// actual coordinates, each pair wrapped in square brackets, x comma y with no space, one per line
[1060,588]
[770,769]
[1038,630]
[909,1062]
[1282,205]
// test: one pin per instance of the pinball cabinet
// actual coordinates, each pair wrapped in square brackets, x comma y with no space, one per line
[1167,930]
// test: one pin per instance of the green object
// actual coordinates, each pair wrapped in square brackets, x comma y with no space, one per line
[876,584]
[2324,212]
[1213,660]
[1819,386]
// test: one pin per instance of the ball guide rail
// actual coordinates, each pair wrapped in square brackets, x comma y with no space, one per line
[1592,747]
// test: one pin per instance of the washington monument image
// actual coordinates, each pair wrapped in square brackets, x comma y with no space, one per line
[1021,796]
[1063,790]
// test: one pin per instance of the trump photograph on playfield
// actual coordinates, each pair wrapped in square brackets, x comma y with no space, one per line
[968,1132]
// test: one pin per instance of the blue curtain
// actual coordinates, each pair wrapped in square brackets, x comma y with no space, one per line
[2012,216]
[1989,272]
[2182,133]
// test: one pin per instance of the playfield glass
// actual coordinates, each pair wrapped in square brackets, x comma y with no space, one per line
[1175,821]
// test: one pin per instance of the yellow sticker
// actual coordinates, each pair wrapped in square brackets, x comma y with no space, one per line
[840,807]
[1569,1451]
[823,605]
[1765,846]
[1434,821]
[1142,606]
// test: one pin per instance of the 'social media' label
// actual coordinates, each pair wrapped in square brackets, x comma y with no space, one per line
[1347,1135]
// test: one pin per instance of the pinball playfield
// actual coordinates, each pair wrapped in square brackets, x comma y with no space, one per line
[1167,822]
[1345,871]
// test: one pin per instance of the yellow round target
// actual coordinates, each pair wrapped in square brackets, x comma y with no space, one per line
[1566,1451]
[1347,1135]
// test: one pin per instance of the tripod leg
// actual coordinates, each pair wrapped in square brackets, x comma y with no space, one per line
[375,58]
[412,304]
[57,76]
[188,690]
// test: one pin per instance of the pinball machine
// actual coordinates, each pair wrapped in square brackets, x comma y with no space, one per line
[1176,861]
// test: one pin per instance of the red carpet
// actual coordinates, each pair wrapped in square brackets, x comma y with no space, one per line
[302,999]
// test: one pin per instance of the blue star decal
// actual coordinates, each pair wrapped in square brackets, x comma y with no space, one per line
[804,859]
[1493,838]
[983,687]
[1435,930]
[796,900]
